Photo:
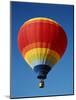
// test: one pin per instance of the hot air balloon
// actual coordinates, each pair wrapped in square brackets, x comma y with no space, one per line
[42,42]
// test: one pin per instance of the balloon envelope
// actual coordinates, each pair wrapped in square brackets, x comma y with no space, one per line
[42,42]
[41,39]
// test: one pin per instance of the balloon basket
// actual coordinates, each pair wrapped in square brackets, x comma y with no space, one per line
[41,83]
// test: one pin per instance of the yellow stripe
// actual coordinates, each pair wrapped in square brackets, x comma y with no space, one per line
[41,54]
[40,18]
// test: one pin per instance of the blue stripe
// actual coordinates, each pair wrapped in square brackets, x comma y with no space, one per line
[42,71]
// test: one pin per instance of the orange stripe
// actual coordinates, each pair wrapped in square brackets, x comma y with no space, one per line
[35,45]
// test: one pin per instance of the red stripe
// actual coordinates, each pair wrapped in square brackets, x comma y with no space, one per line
[43,31]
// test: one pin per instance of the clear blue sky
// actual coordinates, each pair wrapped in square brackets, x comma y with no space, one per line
[60,79]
